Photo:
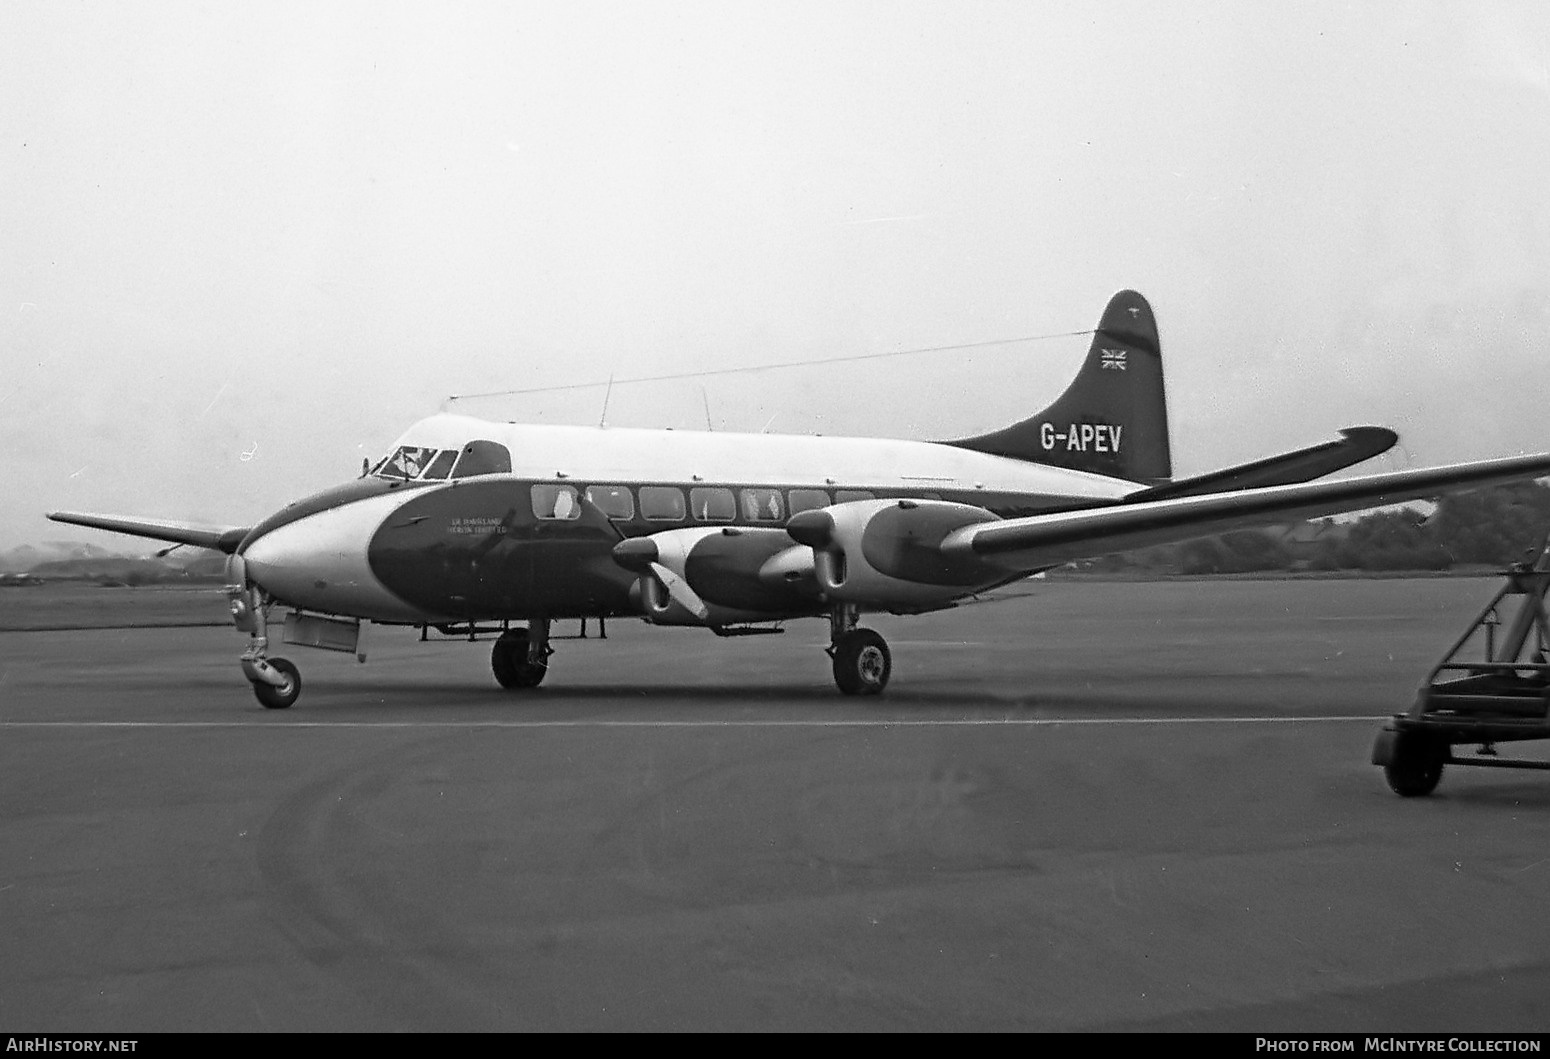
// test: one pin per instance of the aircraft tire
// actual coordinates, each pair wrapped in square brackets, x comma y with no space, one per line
[1416,766]
[279,698]
[862,663]
[508,661]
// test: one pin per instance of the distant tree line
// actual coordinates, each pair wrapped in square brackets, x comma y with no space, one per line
[124,571]
[1484,527]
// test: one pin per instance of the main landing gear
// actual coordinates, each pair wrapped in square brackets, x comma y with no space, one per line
[520,657]
[862,663]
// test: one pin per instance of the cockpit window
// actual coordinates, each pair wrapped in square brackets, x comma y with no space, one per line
[442,464]
[482,457]
[415,461]
[407,462]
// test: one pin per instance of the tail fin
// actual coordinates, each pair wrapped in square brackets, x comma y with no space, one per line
[1113,418]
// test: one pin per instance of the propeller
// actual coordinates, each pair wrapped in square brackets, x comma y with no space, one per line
[641,555]
[679,589]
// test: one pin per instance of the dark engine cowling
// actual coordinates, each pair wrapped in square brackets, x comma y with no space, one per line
[739,574]
[888,552]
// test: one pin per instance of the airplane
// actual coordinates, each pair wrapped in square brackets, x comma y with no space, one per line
[470,525]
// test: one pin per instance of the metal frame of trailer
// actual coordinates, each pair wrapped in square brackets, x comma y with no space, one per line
[1502,695]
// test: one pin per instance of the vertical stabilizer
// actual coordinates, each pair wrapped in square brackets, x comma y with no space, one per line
[1113,418]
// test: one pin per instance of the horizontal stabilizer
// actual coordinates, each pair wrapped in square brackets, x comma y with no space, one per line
[1041,541]
[220,538]
[1355,445]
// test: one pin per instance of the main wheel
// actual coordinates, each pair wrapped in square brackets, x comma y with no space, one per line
[1416,765]
[861,662]
[508,660]
[279,697]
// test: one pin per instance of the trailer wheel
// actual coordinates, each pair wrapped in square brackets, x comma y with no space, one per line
[1416,764]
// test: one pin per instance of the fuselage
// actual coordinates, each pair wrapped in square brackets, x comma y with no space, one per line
[470,519]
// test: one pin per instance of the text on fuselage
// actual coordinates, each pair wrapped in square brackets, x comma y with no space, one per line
[1081,437]
[475,525]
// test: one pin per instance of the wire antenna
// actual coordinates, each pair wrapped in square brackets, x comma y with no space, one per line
[770,367]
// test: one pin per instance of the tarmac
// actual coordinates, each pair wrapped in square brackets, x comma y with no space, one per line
[1105,806]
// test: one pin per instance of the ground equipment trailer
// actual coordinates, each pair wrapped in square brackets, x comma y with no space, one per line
[1502,696]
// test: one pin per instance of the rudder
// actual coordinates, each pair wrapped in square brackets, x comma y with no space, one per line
[1113,418]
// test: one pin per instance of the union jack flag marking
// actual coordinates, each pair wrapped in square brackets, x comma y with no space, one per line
[1114,359]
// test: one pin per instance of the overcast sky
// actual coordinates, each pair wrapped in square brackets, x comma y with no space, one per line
[243,246]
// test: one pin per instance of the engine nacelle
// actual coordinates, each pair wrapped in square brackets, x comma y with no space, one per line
[739,574]
[888,552]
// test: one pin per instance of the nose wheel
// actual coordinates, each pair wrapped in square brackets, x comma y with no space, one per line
[279,696]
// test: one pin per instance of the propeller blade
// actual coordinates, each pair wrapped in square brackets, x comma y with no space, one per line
[236,571]
[679,589]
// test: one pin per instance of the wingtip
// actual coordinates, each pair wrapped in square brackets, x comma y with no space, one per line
[1374,440]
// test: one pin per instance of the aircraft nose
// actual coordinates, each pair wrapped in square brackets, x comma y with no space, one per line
[321,562]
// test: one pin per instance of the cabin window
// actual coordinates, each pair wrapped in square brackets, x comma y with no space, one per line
[845,496]
[761,505]
[712,505]
[808,499]
[662,503]
[555,501]
[482,457]
[407,462]
[614,501]
[441,466]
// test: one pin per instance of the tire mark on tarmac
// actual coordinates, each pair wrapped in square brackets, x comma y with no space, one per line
[388,953]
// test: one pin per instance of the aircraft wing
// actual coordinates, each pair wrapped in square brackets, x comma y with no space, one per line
[220,538]
[1040,541]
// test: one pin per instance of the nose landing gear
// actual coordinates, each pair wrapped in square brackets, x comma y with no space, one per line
[276,682]
[274,696]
